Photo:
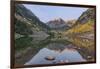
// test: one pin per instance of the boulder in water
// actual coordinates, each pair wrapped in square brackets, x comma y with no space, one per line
[50,58]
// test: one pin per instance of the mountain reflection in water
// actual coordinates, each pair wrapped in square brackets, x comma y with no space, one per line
[70,55]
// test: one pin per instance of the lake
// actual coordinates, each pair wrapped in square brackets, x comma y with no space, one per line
[60,49]
[70,55]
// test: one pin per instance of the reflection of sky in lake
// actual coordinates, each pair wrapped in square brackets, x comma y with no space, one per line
[46,13]
[68,54]
[71,55]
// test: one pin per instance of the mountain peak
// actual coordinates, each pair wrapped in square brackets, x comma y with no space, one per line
[57,23]
[58,18]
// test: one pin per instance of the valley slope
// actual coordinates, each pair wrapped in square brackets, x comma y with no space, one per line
[82,34]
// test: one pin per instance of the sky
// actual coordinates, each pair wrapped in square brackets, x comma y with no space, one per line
[46,13]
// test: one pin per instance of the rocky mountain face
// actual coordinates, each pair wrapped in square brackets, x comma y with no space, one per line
[26,22]
[57,24]
[86,16]
[85,22]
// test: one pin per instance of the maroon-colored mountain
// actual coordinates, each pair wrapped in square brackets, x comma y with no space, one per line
[57,24]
